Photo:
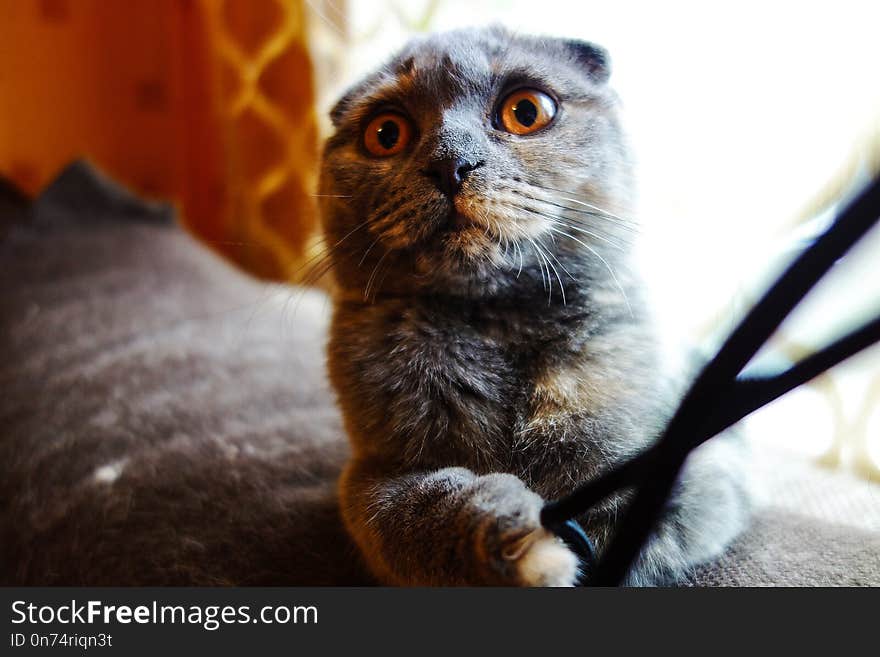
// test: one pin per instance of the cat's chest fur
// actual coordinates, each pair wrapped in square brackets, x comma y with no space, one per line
[479,386]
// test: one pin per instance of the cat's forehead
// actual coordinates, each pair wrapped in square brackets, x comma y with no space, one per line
[448,66]
[443,69]
[450,56]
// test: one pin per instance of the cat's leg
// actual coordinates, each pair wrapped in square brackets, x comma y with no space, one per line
[452,527]
[709,507]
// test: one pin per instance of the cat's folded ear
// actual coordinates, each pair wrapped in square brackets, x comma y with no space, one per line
[343,105]
[594,59]
[339,110]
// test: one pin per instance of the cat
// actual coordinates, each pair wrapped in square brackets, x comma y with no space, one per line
[491,345]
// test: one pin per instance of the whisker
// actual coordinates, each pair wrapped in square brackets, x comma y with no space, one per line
[609,232]
[592,211]
[584,231]
[558,277]
[578,229]
[328,252]
[595,212]
[367,252]
[622,223]
[563,267]
[230,243]
[541,261]
[310,266]
[350,233]
[519,248]
[540,266]
[317,272]
[621,244]
[584,203]
[372,276]
[488,256]
[380,281]
[607,266]
[506,240]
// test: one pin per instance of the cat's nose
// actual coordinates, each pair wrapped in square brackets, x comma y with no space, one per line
[449,173]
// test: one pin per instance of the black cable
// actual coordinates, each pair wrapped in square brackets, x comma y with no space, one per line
[718,399]
[753,393]
[590,493]
[792,286]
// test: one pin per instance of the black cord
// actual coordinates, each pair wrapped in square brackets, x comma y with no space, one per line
[717,399]
[579,543]
[753,393]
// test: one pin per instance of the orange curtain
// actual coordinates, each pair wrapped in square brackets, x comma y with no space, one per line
[209,103]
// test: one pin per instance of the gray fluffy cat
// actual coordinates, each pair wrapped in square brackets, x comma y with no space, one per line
[490,346]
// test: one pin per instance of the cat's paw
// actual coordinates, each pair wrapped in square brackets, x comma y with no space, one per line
[544,560]
[513,546]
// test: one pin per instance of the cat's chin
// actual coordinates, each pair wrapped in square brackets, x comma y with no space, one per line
[466,255]
[469,244]
[466,278]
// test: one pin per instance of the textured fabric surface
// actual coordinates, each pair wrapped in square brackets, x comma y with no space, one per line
[790,482]
[163,418]
[812,527]
[167,420]
[786,549]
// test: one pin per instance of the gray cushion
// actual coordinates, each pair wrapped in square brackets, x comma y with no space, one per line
[787,549]
[166,420]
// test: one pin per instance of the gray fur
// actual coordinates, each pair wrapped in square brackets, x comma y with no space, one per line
[483,369]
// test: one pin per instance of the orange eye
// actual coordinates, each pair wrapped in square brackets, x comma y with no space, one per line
[387,135]
[526,111]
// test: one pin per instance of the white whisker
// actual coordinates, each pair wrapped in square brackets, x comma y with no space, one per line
[372,275]
[367,252]
[591,234]
[549,280]
[584,203]
[576,228]
[558,277]
[519,248]
[607,266]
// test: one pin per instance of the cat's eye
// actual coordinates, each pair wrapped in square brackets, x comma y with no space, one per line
[387,134]
[526,111]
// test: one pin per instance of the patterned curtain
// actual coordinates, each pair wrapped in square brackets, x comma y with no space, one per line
[209,103]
